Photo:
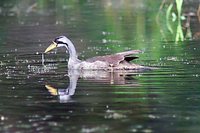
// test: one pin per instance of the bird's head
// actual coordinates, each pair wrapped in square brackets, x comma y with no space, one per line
[60,41]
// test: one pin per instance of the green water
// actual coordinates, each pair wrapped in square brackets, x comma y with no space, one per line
[48,98]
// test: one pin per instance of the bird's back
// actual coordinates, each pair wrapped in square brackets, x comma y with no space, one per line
[115,59]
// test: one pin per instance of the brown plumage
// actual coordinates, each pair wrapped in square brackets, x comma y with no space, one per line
[115,59]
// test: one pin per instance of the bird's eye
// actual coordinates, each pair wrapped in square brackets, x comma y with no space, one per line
[60,42]
[57,41]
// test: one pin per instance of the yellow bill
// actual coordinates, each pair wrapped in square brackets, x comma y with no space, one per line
[51,47]
[52,90]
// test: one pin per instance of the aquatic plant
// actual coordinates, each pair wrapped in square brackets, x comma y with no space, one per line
[179,32]
[172,26]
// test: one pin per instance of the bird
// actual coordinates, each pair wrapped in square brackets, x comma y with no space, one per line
[118,61]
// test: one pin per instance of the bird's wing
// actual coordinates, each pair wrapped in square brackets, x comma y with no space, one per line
[115,59]
[126,53]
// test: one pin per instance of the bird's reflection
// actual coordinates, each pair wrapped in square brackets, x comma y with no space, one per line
[117,78]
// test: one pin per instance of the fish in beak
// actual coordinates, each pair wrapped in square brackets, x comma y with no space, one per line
[51,47]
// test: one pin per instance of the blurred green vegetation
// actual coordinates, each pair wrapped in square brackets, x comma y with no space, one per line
[119,24]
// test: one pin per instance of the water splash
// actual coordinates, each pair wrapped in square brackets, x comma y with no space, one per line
[42,59]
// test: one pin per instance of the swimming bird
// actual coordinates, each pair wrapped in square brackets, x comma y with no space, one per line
[118,61]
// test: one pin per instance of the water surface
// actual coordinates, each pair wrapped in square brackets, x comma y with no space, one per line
[49,98]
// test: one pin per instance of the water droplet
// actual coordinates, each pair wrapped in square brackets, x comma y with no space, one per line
[104,41]
[147,131]
[187,118]
[103,33]
[3,118]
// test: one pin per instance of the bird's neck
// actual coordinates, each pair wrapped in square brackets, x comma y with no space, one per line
[72,51]
[73,62]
